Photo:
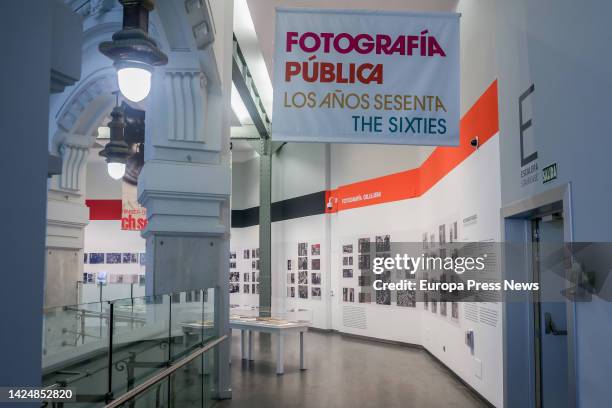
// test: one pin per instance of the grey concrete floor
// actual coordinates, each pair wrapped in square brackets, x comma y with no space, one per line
[343,372]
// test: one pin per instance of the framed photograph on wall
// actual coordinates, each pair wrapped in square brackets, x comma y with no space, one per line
[315,249]
[303,277]
[364,262]
[302,263]
[303,291]
[347,261]
[234,287]
[303,249]
[363,245]
[347,273]
[315,293]
[347,249]
[288,264]
[315,278]
[455,310]
[365,297]
[315,264]
[246,254]
[129,258]
[291,278]
[113,258]
[383,243]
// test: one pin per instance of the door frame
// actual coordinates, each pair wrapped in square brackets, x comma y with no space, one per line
[518,317]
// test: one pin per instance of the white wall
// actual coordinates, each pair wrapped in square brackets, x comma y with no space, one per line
[562,47]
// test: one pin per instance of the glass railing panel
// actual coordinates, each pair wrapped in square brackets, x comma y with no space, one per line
[140,340]
[187,318]
[113,291]
[154,397]
[75,351]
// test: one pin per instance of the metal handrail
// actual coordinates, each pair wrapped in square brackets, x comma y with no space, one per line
[139,389]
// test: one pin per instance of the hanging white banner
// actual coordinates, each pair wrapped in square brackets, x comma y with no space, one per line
[349,76]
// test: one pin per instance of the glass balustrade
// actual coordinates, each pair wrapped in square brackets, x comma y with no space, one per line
[104,349]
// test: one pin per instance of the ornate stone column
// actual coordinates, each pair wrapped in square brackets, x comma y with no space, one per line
[185,186]
[67,217]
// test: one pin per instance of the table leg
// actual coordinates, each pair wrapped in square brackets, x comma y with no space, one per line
[242,345]
[280,345]
[302,364]
[250,354]
[230,347]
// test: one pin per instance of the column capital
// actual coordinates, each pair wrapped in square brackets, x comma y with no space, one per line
[184,199]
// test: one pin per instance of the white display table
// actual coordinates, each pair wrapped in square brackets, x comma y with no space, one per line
[278,327]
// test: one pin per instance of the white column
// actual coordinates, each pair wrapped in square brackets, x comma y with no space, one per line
[67,217]
[185,186]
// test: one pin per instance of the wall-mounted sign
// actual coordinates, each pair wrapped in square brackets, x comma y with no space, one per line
[133,215]
[350,76]
[549,173]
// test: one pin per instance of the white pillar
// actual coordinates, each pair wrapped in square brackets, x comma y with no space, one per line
[67,217]
[185,186]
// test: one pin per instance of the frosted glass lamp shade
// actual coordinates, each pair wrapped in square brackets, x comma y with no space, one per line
[134,83]
[116,170]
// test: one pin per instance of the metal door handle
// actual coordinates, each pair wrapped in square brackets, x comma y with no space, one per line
[550,328]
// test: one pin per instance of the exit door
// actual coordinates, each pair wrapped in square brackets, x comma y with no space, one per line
[550,314]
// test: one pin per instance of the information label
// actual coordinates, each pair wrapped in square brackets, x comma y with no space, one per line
[349,76]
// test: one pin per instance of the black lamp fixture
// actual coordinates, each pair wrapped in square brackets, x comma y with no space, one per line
[126,144]
[116,150]
[133,51]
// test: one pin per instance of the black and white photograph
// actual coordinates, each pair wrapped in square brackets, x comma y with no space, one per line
[347,249]
[252,288]
[365,280]
[246,254]
[442,308]
[442,234]
[253,264]
[315,264]
[302,263]
[383,297]
[96,258]
[347,261]
[246,277]
[315,249]
[233,255]
[257,252]
[432,239]
[288,264]
[257,289]
[455,310]
[129,258]
[232,265]
[291,291]
[363,245]
[303,291]
[303,249]
[315,293]
[383,243]
[455,231]
[425,301]
[291,278]
[365,297]
[234,276]
[406,298]
[434,306]
[347,273]
[113,258]
[364,262]
[348,294]
[253,276]
[252,253]
[246,288]
[143,258]
[234,287]
[424,239]
[85,257]
[303,277]
[315,278]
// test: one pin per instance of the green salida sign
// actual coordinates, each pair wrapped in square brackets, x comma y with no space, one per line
[549,173]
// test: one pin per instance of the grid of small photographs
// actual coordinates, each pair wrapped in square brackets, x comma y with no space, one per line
[445,245]
[94,258]
[307,274]
[244,271]
[113,258]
